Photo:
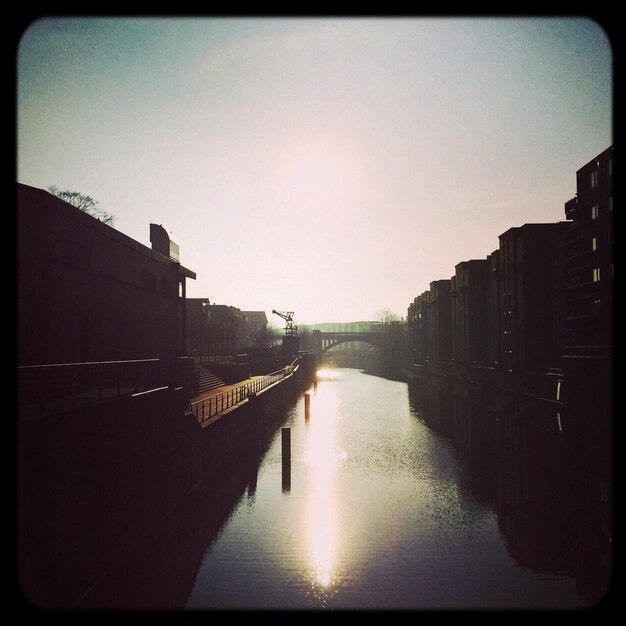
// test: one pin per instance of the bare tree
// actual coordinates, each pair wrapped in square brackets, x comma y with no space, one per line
[84,203]
[387,316]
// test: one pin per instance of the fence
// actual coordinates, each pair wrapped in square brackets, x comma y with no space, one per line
[46,388]
[209,407]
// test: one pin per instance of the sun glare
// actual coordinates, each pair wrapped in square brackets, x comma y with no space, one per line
[327,374]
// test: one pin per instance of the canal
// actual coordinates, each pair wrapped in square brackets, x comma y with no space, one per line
[399,496]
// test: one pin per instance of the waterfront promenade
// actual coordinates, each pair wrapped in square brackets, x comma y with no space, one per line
[223,391]
[212,404]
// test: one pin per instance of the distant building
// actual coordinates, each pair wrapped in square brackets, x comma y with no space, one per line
[469,294]
[440,320]
[531,295]
[417,321]
[199,331]
[410,321]
[219,330]
[254,332]
[87,292]
[493,310]
[213,330]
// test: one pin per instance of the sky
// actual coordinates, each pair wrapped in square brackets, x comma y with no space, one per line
[332,167]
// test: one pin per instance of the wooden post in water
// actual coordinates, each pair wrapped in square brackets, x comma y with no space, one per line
[286,456]
[307,406]
[252,483]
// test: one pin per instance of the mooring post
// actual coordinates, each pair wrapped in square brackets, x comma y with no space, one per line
[253,482]
[307,406]
[286,455]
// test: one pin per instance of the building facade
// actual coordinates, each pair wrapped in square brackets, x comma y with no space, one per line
[493,310]
[531,296]
[589,253]
[417,322]
[254,332]
[588,358]
[86,292]
[469,296]
[440,320]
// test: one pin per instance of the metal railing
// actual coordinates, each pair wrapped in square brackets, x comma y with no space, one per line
[209,407]
[47,388]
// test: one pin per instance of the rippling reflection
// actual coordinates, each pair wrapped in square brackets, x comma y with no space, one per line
[321,457]
[466,502]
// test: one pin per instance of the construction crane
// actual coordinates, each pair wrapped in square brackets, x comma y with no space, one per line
[291,330]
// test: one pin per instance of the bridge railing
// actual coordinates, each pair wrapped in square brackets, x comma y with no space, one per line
[209,407]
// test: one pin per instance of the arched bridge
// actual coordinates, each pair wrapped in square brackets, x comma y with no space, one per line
[320,341]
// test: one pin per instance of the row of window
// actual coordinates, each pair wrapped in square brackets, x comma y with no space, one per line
[595,209]
[596,273]
[594,173]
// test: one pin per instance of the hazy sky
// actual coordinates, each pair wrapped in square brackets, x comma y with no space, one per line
[333,167]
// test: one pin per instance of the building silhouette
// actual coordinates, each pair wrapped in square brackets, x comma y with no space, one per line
[440,320]
[542,302]
[469,293]
[493,311]
[98,314]
[87,292]
[531,296]
[254,332]
[589,251]
[589,284]
[417,320]
[547,307]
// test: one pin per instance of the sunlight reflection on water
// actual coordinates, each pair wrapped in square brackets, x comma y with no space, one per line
[380,514]
[321,457]
[328,374]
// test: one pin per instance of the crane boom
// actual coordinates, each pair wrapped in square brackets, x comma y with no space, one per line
[290,328]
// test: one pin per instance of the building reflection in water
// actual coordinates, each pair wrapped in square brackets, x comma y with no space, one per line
[546,473]
[322,456]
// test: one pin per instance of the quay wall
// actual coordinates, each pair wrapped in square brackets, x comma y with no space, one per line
[97,485]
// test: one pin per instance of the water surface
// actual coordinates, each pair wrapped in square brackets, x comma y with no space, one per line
[376,510]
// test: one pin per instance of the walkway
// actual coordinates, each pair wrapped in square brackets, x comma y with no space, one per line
[209,406]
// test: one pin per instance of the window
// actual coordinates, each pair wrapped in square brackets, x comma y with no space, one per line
[610,167]
[594,178]
[594,212]
[596,274]
[594,243]
[610,203]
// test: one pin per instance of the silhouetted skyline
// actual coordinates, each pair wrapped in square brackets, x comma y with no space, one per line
[331,167]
